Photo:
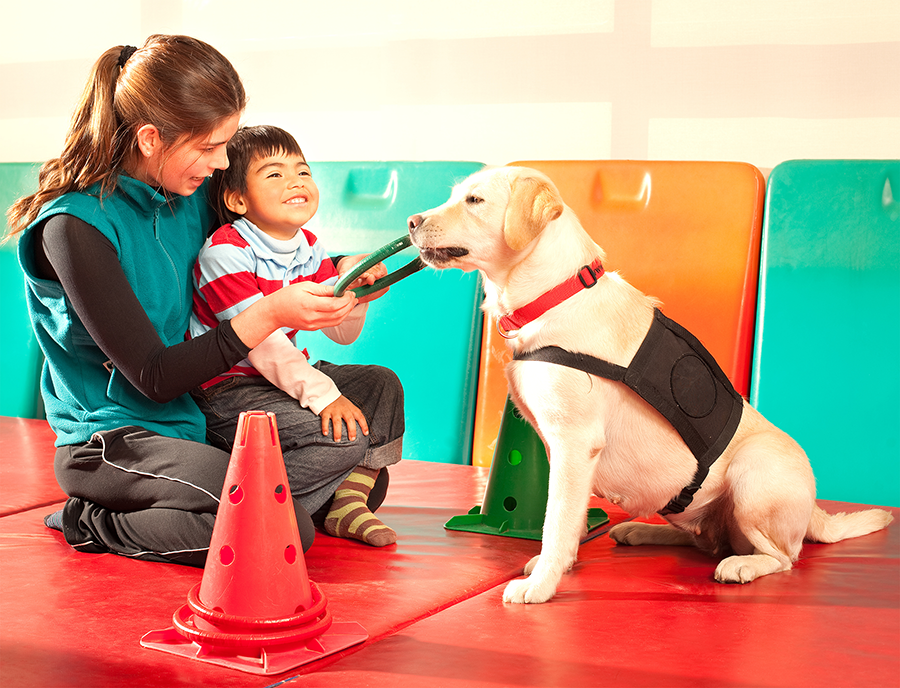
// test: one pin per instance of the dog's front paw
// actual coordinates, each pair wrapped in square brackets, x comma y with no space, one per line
[529,567]
[531,590]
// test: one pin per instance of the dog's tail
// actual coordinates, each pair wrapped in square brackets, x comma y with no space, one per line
[825,527]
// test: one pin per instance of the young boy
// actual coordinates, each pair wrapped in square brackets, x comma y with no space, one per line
[264,198]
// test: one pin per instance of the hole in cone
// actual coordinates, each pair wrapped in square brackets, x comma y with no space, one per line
[226,555]
[290,554]
[510,503]
[235,494]
[515,457]
[280,494]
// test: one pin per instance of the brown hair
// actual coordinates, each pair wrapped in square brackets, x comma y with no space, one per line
[247,145]
[181,85]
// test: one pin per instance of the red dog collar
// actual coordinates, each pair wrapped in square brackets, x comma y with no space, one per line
[587,277]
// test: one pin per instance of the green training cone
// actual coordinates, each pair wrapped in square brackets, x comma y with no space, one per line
[515,498]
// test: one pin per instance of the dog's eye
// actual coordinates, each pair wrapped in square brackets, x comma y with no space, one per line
[474,200]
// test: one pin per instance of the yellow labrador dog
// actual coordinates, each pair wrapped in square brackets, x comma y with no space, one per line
[629,405]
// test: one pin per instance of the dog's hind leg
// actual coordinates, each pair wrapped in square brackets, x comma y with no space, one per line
[766,538]
[631,533]
[563,525]
[749,567]
[773,496]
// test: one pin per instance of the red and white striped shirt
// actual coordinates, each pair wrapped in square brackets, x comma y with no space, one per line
[240,264]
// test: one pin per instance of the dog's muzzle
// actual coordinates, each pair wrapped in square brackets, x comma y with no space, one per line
[432,255]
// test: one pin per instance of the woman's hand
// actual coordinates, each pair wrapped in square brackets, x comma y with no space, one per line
[313,306]
[370,276]
[342,409]
[301,306]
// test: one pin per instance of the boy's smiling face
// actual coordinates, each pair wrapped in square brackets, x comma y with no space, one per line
[281,195]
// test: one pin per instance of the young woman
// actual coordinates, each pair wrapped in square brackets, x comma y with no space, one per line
[107,244]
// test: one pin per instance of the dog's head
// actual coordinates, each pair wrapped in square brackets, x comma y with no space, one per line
[491,216]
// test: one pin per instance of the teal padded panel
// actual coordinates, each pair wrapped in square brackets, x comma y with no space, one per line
[20,391]
[427,328]
[827,351]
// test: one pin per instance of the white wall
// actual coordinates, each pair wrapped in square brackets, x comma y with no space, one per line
[499,80]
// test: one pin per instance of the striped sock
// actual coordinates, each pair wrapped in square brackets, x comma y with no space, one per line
[350,517]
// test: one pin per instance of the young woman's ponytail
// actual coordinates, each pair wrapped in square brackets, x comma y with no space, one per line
[179,84]
[87,155]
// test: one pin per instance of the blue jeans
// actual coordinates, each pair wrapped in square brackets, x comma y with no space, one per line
[316,465]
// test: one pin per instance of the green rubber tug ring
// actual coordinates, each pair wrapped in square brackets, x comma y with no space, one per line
[374,258]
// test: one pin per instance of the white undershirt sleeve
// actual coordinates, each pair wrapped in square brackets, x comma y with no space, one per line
[286,367]
[348,331]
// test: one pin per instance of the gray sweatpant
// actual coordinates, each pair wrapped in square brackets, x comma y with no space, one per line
[140,494]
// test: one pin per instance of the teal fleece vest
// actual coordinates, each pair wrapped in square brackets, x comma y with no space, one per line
[157,241]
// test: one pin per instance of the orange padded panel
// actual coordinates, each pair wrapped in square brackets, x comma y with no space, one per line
[687,233]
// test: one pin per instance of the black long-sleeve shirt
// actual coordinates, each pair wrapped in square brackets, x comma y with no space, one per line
[85,263]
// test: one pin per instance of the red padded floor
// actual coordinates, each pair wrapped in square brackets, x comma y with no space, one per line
[82,616]
[431,605]
[26,465]
[653,617]
[73,619]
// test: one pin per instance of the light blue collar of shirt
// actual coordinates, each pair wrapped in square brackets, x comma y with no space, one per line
[295,250]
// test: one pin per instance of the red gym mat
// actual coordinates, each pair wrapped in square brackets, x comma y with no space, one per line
[653,616]
[643,616]
[26,465]
[77,619]
[81,617]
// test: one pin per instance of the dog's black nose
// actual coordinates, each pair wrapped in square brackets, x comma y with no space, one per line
[414,221]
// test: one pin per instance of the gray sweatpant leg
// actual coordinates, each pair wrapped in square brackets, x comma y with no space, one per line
[140,494]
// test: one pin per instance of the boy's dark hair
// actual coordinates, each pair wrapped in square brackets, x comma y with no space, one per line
[248,144]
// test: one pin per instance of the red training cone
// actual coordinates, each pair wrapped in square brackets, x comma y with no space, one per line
[255,608]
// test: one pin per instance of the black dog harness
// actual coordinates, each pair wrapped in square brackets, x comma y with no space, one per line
[673,372]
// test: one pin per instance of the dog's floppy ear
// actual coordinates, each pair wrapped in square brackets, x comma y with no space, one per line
[533,203]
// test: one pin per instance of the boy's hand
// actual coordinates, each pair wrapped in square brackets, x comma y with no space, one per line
[342,409]
[370,276]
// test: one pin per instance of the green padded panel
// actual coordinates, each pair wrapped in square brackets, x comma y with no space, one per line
[827,352]
[20,391]
[427,328]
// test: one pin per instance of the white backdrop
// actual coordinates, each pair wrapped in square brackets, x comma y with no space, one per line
[499,80]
